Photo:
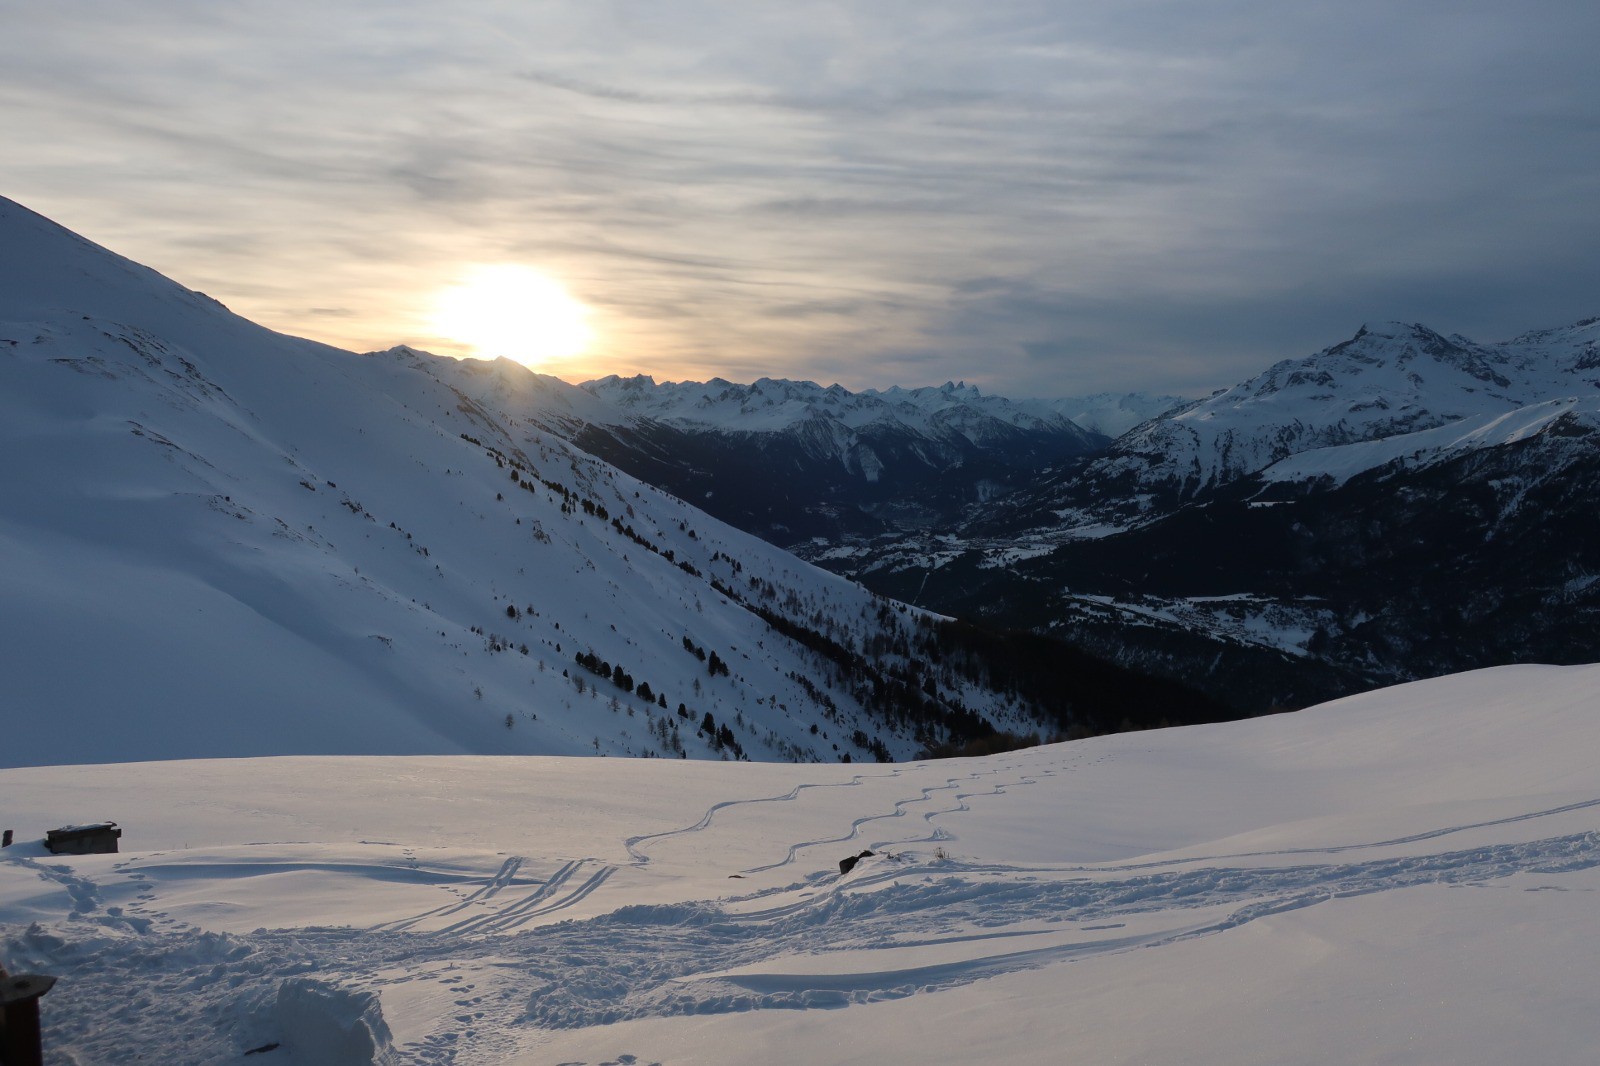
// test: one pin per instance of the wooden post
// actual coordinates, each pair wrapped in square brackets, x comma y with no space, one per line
[19,1018]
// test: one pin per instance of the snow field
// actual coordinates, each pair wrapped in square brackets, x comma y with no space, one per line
[1402,876]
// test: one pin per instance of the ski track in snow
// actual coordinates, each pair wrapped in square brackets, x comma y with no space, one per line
[672,959]
[525,910]
[642,961]
[898,812]
[636,844]
[508,871]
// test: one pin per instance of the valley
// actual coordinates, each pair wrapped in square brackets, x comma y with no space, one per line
[1399,505]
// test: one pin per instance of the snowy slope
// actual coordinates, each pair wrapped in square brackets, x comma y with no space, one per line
[1402,876]
[221,541]
[1430,447]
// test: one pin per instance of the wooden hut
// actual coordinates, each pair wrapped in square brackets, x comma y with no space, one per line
[98,838]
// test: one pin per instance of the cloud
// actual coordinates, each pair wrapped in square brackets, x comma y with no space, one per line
[1049,198]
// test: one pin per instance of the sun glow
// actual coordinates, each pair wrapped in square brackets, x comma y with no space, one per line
[514,311]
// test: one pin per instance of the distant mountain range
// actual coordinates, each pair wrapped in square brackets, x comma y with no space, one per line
[792,460]
[1397,505]
[936,413]
[1388,383]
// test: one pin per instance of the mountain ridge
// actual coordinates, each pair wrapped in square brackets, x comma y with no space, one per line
[224,541]
[1386,380]
[773,404]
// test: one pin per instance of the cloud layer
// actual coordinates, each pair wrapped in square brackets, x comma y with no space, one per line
[1043,197]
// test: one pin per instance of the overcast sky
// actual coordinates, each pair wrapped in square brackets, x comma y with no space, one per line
[1045,198]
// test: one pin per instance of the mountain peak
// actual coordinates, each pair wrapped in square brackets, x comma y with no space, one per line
[1391,327]
[1390,378]
[402,351]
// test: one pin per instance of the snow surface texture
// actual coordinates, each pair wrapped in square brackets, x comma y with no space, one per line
[1405,876]
[221,541]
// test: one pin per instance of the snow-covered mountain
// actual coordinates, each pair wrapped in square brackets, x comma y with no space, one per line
[769,405]
[1567,416]
[221,541]
[793,460]
[1388,381]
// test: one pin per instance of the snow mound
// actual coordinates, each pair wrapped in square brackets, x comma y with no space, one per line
[327,1025]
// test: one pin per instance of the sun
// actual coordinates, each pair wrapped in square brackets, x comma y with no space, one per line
[513,311]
